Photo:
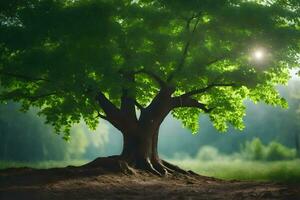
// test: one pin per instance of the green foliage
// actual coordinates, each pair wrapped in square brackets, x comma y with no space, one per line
[33,141]
[189,118]
[256,150]
[277,151]
[57,55]
[229,107]
[207,153]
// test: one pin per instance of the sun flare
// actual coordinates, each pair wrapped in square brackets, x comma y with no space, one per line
[258,54]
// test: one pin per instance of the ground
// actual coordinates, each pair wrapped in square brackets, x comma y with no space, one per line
[104,182]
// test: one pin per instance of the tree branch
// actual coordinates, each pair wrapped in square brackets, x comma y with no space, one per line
[159,107]
[186,47]
[179,102]
[101,116]
[205,89]
[98,113]
[20,76]
[160,81]
[139,105]
[215,60]
[107,106]
[114,115]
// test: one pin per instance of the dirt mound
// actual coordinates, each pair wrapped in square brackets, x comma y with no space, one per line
[102,181]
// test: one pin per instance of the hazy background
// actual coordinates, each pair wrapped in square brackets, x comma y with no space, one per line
[271,136]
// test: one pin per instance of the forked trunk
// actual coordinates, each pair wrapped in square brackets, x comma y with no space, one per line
[140,136]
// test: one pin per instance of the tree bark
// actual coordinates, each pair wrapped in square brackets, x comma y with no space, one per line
[140,148]
[140,151]
[137,147]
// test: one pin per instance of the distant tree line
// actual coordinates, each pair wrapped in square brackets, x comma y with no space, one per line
[24,137]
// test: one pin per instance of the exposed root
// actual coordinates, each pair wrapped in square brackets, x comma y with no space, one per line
[158,163]
[125,168]
[175,168]
[163,168]
[155,166]
[147,165]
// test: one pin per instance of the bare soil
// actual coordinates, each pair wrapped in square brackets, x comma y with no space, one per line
[109,182]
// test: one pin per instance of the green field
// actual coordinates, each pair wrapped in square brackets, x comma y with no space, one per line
[281,171]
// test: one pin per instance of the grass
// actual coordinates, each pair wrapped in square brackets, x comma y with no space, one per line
[280,171]
[41,164]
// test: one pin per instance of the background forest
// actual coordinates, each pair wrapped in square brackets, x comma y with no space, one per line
[267,149]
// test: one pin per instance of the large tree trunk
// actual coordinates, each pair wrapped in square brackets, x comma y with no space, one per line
[140,135]
[137,147]
[140,149]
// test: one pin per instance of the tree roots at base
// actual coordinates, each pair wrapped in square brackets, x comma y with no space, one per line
[118,164]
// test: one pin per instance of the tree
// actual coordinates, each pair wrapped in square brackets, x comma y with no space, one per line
[107,59]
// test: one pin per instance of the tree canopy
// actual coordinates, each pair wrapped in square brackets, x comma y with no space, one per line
[60,55]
